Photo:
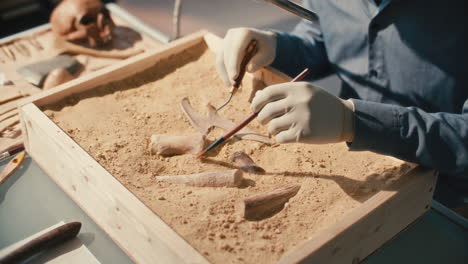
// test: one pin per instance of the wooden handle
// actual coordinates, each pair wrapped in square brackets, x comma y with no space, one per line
[64,46]
[35,244]
[249,53]
[11,167]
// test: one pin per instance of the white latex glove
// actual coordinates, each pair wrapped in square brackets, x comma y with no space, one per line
[235,42]
[301,112]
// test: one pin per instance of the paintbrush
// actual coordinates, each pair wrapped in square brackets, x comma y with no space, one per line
[245,122]
[11,151]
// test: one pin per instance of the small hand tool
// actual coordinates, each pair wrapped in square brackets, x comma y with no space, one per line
[11,167]
[37,72]
[249,53]
[245,122]
[11,151]
[26,248]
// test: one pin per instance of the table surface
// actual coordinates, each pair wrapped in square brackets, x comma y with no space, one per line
[30,201]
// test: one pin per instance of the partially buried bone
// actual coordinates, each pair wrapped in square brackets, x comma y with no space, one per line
[204,123]
[60,46]
[246,163]
[265,205]
[167,145]
[57,77]
[225,178]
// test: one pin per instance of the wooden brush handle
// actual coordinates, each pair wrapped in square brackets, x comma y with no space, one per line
[11,167]
[249,53]
[35,244]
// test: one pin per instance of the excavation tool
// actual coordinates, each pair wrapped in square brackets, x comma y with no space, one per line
[249,53]
[295,9]
[28,247]
[245,122]
[11,167]
[11,151]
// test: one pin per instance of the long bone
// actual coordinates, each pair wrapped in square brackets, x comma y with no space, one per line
[224,178]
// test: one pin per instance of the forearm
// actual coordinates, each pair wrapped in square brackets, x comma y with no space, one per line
[436,140]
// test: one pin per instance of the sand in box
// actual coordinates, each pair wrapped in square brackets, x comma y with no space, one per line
[115,121]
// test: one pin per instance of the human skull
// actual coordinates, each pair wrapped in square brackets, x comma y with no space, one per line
[80,20]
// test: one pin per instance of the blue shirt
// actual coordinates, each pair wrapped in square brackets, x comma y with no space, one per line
[404,63]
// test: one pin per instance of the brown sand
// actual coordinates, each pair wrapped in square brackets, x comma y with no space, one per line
[114,122]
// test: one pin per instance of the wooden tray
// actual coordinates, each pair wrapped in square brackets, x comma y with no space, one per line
[127,27]
[145,237]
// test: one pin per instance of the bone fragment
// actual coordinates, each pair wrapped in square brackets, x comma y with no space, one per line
[62,46]
[12,97]
[22,49]
[80,20]
[9,53]
[246,163]
[57,77]
[167,145]
[8,115]
[9,123]
[8,143]
[224,178]
[203,123]
[265,205]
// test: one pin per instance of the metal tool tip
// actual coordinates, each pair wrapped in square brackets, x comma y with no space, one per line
[200,154]
[225,103]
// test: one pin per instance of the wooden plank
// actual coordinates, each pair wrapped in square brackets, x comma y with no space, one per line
[368,227]
[115,72]
[134,227]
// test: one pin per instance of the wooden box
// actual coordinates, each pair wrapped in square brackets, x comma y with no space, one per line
[145,237]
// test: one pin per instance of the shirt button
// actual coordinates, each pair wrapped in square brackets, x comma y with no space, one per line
[373,73]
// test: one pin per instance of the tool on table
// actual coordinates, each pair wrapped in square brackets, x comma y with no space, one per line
[249,53]
[11,167]
[245,122]
[295,9]
[34,244]
[37,72]
[11,151]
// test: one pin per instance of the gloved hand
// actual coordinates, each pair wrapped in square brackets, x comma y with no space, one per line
[235,42]
[301,112]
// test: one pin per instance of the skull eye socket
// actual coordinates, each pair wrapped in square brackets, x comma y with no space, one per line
[87,19]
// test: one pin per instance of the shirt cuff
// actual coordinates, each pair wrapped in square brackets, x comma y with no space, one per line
[377,128]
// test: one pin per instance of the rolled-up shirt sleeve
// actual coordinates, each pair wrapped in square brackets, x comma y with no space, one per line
[436,140]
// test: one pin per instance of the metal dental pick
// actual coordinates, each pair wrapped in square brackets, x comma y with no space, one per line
[249,53]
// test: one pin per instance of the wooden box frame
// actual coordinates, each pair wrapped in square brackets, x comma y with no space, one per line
[145,237]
